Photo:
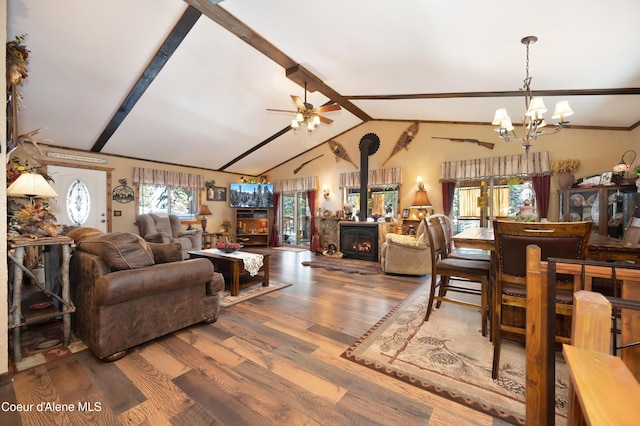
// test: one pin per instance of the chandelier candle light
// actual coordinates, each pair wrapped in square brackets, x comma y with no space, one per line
[533,119]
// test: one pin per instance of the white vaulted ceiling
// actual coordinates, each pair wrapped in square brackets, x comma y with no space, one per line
[412,60]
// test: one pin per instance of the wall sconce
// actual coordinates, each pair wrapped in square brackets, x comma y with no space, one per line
[325,191]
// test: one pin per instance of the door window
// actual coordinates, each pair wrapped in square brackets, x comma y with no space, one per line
[78,202]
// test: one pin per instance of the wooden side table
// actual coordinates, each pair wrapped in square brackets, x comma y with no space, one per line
[17,319]
[210,239]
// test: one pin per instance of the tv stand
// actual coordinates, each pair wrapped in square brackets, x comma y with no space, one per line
[252,227]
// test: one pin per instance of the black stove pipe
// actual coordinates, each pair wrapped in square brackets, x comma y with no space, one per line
[369,144]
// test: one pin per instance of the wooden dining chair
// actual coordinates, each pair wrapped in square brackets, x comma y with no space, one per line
[563,240]
[606,286]
[471,271]
[452,252]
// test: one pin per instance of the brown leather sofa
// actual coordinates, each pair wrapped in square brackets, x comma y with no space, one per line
[128,291]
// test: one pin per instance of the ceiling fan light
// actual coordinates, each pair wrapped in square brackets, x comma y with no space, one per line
[501,115]
[316,120]
[536,108]
[310,126]
[562,110]
[294,124]
[299,117]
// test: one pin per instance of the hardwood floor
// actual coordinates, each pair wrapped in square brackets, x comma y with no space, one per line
[273,360]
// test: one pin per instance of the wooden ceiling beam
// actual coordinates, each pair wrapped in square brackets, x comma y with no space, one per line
[300,74]
[159,60]
[509,93]
[294,71]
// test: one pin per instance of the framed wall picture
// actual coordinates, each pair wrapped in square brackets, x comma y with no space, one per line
[405,213]
[605,178]
[217,193]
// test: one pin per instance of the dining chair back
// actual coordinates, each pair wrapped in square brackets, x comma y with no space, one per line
[610,287]
[563,240]
[632,232]
[452,252]
[468,274]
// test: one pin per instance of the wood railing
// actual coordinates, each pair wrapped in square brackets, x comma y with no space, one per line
[602,385]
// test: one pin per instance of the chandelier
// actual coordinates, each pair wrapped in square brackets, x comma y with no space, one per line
[533,120]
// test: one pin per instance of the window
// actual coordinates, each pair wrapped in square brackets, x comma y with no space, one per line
[504,197]
[178,201]
[78,202]
[383,200]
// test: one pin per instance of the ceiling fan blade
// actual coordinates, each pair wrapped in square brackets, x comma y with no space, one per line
[282,110]
[325,120]
[298,102]
[327,108]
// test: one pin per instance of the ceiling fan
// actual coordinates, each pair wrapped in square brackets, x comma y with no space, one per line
[306,113]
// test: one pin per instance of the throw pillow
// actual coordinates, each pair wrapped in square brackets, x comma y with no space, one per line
[119,250]
[165,253]
[80,233]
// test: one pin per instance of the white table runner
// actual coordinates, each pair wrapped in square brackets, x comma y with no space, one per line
[252,261]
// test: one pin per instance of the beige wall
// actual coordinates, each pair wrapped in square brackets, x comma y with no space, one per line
[122,168]
[599,151]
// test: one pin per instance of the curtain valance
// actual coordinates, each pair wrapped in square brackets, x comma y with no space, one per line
[531,164]
[165,177]
[293,185]
[376,177]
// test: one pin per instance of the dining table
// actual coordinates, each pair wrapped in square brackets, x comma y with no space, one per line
[601,247]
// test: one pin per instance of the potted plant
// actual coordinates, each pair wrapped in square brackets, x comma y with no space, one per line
[565,169]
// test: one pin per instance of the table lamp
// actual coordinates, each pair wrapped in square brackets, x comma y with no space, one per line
[421,199]
[204,211]
[31,185]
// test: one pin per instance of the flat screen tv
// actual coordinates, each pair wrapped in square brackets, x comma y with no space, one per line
[251,195]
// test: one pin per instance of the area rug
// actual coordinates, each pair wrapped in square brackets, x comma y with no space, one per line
[349,266]
[448,356]
[294,249]
[226,299]
[42,343]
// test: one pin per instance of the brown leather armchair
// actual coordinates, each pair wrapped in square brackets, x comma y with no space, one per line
[127,291]
[164,228]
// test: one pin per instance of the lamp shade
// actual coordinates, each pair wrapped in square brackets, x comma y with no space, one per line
[32,185]
[421,199]
[501,115]
[204,211]
[536,108]
[562,110]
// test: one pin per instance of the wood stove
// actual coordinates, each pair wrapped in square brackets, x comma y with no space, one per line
[359,240]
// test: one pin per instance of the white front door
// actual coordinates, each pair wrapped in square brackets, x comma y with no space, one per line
[82,196]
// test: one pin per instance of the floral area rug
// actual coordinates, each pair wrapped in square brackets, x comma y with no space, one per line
[226,299]
[349,266]
[449,356]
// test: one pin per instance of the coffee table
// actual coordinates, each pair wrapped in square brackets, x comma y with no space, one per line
[232,268]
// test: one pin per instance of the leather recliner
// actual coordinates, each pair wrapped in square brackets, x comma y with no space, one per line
[127,291]
[166,228]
